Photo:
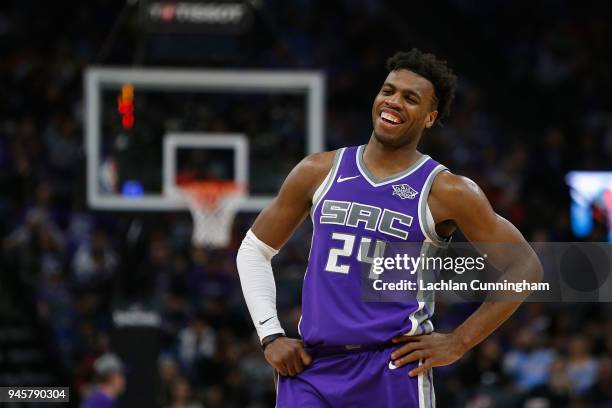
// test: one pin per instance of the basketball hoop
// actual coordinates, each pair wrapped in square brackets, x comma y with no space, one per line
[213,205]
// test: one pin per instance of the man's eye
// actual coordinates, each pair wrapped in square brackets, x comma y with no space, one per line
[387,92]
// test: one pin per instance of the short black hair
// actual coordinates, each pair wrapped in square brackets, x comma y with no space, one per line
[434,70]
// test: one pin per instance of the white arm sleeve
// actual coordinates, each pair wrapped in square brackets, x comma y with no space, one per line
[258,287]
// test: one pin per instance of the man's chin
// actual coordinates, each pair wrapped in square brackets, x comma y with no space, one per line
[387,139]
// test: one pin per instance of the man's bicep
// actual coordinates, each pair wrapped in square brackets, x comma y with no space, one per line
[488,231]
[479,222]
[277,222]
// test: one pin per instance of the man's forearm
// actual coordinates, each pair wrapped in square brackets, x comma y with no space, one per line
[492,313]
[258,287]
[488,317]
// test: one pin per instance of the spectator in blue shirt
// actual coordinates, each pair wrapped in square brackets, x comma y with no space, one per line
[528,364]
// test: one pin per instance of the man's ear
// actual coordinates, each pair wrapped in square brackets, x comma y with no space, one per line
[431,119]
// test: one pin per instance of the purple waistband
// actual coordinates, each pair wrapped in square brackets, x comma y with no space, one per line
[321,350]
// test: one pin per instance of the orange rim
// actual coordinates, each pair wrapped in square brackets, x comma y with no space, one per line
[209,193]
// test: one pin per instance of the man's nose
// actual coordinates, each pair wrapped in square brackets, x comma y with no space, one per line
[393,101]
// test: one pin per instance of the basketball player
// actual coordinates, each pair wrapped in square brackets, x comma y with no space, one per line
[365,354]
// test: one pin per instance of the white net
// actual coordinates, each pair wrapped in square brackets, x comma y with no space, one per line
[213,206]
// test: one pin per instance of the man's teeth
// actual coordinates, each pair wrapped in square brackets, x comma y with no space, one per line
[390,117]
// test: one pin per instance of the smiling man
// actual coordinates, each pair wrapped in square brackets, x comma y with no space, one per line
[354,353]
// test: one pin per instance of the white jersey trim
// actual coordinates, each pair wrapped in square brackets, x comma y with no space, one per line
[327,182]
[426,221]
[375,182]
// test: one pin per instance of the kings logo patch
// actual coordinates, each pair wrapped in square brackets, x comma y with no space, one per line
[404,191]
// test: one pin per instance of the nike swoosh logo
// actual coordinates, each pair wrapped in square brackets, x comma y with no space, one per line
[261,322]
[392,366]
[343,179]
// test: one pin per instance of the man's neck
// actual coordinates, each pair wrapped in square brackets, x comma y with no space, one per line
[383,161]
[107,389]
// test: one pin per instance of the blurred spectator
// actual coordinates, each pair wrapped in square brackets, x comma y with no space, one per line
[215,397]
[196,343]
[555,393]
[94,262]
[581,365]
[600,395]
[181,395]
[62,143]
[529,362]
[35,247]
[110,382]
[255,371]
[168,374]
[56,307]
[236,390]
[484,366]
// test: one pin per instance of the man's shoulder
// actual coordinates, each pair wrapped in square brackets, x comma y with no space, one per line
[318,163]
[323,161]
[308,174]
[452,194]
[451,186]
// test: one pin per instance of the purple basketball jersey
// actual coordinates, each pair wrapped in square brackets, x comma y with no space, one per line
[355,215]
